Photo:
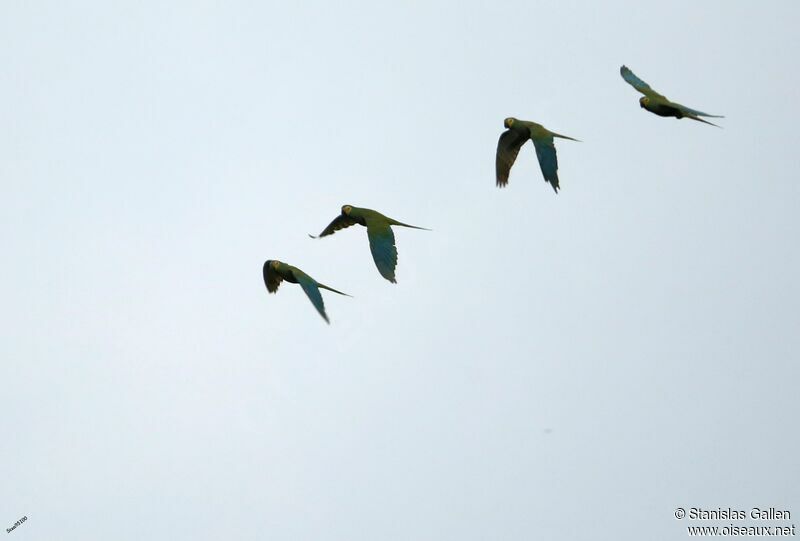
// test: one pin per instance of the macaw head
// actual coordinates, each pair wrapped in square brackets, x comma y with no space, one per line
[346,210]
[274,263]
[509,122]
[643,101]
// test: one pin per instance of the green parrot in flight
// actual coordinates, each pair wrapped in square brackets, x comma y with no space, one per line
[379,232]
[276,271]
[511,140]
[659,104]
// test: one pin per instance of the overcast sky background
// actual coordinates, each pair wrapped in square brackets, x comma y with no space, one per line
[570,366]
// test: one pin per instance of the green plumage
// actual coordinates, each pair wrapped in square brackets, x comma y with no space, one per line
[511,140]
[276,271]
[379,232]
[658,104]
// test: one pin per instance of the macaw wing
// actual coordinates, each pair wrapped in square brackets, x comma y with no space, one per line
[548,160]
[507,149]
[309,285]
[637,83]
[271,278]
[384,251]
[340,222]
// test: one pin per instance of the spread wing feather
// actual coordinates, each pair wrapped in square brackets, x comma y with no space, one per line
[384,251]
[309,285]
[340,222]
[637,83]
[548,160]
[507,149]
[271,278]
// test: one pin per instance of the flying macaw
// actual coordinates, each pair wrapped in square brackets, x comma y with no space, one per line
[276,271]
[511,140]
[379,231]
[659,104]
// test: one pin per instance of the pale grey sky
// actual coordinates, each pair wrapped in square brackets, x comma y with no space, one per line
[571,366]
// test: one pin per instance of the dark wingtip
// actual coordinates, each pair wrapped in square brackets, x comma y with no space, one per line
[312,236]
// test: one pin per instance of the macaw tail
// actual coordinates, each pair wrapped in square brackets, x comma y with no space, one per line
[697,118]
[395,222]
[566,137]
[323,286]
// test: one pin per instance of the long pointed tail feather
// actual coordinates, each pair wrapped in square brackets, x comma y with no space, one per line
[703,121]
[566,137]
[395,222]
[323,286]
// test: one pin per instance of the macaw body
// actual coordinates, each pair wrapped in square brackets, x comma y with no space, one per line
[660,109]
[511,140]
[379,232]
[276,271]
[658,103]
